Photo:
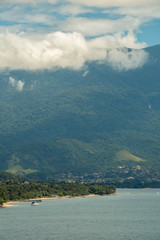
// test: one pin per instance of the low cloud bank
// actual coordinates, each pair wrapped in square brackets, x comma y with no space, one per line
[123,59]
[68,50]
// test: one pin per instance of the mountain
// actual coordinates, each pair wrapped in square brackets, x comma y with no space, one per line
[80,121]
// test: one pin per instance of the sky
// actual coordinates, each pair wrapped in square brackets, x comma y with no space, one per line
[43,34]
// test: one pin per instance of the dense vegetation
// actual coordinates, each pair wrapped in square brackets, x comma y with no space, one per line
[35,190]
[65,121]
[136,183]
[9,178]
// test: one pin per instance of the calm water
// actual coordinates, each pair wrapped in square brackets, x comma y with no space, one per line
[130,215]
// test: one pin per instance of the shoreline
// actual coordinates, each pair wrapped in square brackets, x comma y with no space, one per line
[11,203]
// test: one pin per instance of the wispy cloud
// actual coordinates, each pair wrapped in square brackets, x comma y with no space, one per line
[70,9]
[16,15]
[18,85]
[12,81]
[29,1]
[148,12]
[115,3]
[71,15]
[96,27]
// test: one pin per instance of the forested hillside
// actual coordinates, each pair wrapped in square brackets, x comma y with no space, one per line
[84,121]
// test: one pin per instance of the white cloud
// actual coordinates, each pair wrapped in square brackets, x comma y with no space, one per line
[115,3]
[85,73]
[73,9]
[20,86]
[122,59]
[127,41]
[114,51]
[94,3]
[29,1]
[89,18]
[143,13]
[12,81]
[19,15]
[46,15]
[96,27]
[55,50]
[67,50]
[17,84]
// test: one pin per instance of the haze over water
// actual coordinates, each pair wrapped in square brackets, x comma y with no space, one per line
[131,214]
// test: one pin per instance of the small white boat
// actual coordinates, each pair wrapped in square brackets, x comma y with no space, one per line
[34,203]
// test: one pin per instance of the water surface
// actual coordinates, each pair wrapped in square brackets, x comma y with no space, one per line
[130,215]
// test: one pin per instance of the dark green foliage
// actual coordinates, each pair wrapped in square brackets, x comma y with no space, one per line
[63,122]
[35,190]
[136,183]
[8,178]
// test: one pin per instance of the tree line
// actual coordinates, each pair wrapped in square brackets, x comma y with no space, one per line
[22,191]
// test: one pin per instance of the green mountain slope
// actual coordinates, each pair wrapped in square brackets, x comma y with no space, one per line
[79,121]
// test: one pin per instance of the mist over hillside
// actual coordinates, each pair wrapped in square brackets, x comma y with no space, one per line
[80,121]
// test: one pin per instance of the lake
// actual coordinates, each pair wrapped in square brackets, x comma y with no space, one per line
[133,214]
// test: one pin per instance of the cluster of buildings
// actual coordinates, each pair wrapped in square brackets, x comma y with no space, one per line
[119,175]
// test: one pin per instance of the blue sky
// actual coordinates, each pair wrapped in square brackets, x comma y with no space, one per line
[39,34]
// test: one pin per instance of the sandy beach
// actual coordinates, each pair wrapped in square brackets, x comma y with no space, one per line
[14,203]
